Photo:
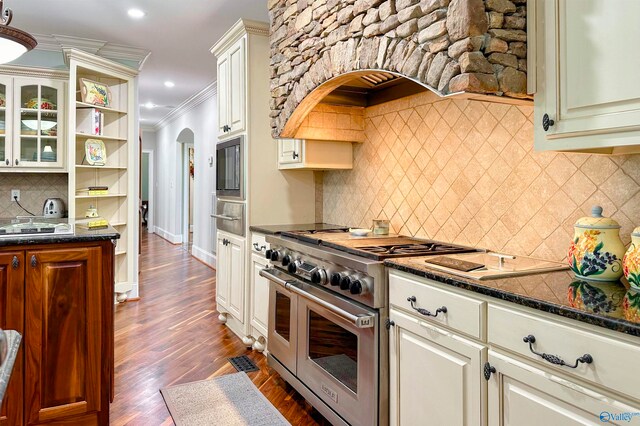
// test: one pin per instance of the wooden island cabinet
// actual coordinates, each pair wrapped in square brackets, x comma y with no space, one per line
[59,296]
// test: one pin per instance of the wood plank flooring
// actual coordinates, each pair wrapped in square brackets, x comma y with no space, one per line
[172,335]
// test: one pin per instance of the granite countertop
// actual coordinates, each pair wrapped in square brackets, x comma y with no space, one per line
[80,234]
[276,229]
[606,304]
[13,344]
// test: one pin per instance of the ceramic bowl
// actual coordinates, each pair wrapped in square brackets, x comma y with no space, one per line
[596,252]
[359,232]
[597,297]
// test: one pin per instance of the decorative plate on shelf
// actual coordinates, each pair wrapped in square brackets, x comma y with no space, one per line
[95,93]
[3,100]
[44,104]
[95,152]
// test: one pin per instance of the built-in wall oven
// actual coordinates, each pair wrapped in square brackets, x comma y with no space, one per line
[329,347]
[230,169]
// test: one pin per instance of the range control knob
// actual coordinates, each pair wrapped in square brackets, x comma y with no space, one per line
[268,253]
[319,276]
[286,260]
[335,279]
[345,283]
[356,287]
[292,268]
[274,255]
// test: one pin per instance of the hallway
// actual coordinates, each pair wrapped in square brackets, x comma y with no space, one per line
[172,335]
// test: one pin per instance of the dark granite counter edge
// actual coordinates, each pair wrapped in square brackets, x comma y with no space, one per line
[594,319]
[13,344]
[56,239]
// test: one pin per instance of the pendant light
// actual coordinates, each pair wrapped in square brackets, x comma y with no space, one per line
[13,42]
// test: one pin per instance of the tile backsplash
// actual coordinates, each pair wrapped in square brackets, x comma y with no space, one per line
[34,189]
[464,171]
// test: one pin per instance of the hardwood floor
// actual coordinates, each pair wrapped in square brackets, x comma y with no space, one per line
[172,335]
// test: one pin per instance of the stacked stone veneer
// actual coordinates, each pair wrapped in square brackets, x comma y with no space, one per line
[449,45]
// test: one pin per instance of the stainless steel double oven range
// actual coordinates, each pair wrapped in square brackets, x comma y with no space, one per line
[327,337]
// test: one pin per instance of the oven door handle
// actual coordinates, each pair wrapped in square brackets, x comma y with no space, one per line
[360,321]
[220,216]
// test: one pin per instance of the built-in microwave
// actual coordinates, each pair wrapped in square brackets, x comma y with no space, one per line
[230,169]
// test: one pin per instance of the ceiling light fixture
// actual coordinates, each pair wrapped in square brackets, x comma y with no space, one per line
[169,84]
[136,13]
[149,105]
[13,42]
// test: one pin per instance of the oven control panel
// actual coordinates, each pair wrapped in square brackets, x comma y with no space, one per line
[351,283]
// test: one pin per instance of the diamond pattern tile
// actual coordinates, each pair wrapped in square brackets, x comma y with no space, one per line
[34,189]
[465,171]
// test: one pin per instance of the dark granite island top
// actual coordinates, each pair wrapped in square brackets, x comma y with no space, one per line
[612,305]
[79,234]
[276,229]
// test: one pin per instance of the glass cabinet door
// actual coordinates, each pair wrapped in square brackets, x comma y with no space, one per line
[37,132]
[5,123]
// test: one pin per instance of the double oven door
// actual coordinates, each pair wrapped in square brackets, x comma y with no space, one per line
[329,343]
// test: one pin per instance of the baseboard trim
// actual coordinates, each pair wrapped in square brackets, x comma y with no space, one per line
[166,235]
[203,256]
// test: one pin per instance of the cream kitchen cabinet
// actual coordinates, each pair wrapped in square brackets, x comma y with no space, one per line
[587,98]
[259,292]
[230,284]
[520,394]
[307,154]
[232,91]
[435,375]
[31,124]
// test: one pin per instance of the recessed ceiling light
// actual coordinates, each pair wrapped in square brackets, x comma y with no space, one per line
[136,13]
[149,105]
[169,84]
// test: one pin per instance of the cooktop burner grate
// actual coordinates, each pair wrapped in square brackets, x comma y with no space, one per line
[413,249]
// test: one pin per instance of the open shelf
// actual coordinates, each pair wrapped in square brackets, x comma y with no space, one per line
[121,252]
[80,104]
[82,166]
[103,138]
[118,224]
[80,197]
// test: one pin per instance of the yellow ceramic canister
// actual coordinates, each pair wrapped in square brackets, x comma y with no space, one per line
[597,250]
[631,261]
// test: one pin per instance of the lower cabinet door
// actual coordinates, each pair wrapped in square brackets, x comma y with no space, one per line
[222,272]
[523,395]
[259,295]
[63,359]
[12,318]
[236,247]
[435,375]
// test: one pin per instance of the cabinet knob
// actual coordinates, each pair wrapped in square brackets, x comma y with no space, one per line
[17,161]
[389,323]
[547,122]
[34,261]
[15,262]
[488,370]
[7,162]
[295,155]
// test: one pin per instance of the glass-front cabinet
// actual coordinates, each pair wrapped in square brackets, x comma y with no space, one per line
[31,121]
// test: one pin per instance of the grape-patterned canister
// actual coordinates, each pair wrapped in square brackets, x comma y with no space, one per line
[631,261]
[596,251]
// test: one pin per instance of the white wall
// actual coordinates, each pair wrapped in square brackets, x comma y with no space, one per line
[149,143]
[201,117]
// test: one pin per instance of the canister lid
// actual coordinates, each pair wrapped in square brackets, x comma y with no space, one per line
[636,232]
[597,221]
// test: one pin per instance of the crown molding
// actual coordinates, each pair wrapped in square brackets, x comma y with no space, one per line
[21,71]
[60,43]
[207,93]
[84,57]
[238,30]
[148,128]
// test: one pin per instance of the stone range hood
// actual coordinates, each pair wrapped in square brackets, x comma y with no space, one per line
[361,52]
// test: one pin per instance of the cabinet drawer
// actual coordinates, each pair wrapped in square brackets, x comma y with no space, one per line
[613,359]
[258,243]
[464,314]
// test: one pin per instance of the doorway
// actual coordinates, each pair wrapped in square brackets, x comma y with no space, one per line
[147,190]
[185,139]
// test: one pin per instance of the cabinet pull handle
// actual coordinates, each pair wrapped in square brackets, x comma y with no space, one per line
[15,262]
[425,312]
[547,122]
[554,359]
[259,247]
[488,370]
[295,155]
[34,261]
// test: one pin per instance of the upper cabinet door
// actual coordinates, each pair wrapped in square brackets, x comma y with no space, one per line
[223,95]
[588,76]
[38,123]
[5,122]
[237,89]
[289,151]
